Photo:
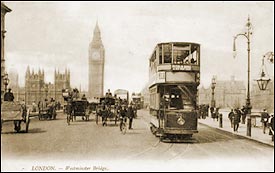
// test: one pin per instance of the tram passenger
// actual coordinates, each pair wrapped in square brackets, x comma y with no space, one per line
[193,61]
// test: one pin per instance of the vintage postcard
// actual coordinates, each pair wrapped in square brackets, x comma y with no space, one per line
[91,86]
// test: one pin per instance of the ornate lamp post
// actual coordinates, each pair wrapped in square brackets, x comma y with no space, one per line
[6,81]
[213,85]
[247,36]
[264,79]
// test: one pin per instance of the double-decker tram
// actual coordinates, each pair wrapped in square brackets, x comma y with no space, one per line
[173,80]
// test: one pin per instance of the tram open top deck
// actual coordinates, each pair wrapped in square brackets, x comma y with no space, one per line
[175,62]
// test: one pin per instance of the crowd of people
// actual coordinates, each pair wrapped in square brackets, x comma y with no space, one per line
[237,116]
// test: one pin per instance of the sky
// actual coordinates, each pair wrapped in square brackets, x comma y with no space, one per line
[56,35]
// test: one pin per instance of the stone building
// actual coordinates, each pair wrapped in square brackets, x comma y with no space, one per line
[36,89]
[4,10]
[227,94]
[61,81]
[96,65]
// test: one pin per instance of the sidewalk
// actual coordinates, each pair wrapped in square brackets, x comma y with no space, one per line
[256,132]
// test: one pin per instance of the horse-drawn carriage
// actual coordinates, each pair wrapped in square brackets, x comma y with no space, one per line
[16,112]
[107,110]
[77,108]
[47,113]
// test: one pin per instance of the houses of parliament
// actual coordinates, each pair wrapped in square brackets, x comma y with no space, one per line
[36,89]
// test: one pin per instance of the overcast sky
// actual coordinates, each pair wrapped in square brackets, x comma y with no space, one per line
[53,35]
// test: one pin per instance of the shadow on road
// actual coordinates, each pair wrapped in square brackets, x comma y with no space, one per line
[34,130]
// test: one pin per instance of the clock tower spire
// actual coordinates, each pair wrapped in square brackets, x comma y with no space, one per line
[96,65]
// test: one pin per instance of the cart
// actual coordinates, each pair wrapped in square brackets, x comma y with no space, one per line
[16,113]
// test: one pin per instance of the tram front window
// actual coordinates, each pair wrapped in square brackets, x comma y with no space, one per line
[176,102]
[175,99]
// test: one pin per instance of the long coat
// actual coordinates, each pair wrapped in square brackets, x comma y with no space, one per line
[130,112]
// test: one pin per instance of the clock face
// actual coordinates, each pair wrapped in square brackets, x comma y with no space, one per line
[96,55]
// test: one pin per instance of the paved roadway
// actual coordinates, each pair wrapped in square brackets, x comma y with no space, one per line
[213,150]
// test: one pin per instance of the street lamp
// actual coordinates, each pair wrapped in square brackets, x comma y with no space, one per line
[213,85]
[247,36]
[264,79]
[6,81]
[248,104]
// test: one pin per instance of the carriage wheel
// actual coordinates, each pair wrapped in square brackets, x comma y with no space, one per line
[27,121]
[68,119]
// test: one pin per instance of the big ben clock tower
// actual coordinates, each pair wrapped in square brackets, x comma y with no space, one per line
[96,65]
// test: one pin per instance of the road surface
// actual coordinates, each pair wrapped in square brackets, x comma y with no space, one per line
[52,142]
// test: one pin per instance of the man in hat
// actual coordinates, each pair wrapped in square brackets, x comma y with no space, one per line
[131,115]
[264,119]
[122,116]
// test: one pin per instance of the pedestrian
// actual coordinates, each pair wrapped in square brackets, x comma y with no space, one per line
[212,112]
[130,113]
[244,113]
[264,119]
[271,127]
[217,114]
[236,120]
[8,96]
[122,116]
[230,117]
[33,107]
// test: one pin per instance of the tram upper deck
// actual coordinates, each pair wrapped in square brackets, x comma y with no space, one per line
[175,62]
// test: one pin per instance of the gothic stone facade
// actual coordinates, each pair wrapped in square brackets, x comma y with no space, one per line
[36,89]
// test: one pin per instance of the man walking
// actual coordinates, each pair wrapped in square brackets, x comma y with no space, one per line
[264,119]
[230,117]
[131,115]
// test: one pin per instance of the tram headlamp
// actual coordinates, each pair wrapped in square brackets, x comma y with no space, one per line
[180,121]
